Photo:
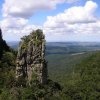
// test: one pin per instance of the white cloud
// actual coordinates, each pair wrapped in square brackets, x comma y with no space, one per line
[15,28]
[13,23]
[26,8]
[74,15]
[75,21]
[16,13]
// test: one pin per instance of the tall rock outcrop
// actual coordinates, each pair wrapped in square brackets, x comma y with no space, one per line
[3,45]
[31,63]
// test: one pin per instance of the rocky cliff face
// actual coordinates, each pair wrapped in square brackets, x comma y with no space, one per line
[3,45]
[31,64]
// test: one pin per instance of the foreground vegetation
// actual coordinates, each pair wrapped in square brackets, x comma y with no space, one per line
[78,75]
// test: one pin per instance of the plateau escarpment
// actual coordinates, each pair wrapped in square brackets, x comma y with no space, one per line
[31,63]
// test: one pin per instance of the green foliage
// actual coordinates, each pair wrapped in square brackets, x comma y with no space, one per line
[36,37]
[38,91]
[21,82]
[3,48]
[34,79]
[82,84]
[60,66]
[26,40]
[9,58]
[11,94]
[78,74]
[4,95]
[27,94]
[7,70]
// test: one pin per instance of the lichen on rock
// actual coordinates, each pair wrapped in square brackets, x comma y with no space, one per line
[31,58]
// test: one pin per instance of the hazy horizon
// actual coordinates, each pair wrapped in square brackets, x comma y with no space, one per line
[64,41]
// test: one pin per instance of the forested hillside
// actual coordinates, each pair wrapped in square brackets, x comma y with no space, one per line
[7,64]
[83,83]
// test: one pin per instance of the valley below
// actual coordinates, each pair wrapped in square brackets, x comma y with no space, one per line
[62,57]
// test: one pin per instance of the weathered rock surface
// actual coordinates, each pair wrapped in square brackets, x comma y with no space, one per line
[31,63]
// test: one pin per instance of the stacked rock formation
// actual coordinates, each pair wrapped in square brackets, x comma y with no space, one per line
[31,63]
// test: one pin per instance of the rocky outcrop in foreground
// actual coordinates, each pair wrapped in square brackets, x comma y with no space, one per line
[31,63]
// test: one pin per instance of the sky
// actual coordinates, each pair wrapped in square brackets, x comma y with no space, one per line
[60,20]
